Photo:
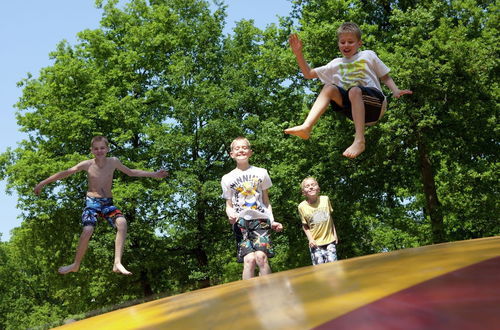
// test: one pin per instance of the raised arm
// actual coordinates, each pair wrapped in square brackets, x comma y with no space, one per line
[140,173]
[296,45]
[396,92]
[61,175]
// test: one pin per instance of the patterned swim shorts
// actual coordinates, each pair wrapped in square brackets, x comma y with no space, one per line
[252,235]
[102,207]
[323,254]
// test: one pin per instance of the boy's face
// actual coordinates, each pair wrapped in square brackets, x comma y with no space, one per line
[241,151]
[349,44]
[99,149]
[310,188]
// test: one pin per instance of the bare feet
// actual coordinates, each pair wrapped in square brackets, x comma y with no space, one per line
[68,269]
[356,148]
[118,268]
[300,131]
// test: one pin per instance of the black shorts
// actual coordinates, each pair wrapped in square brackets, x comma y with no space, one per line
[372,98]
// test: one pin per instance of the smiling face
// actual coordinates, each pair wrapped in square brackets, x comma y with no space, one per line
[310,189]
[99,149]
[349,44]
[240,150]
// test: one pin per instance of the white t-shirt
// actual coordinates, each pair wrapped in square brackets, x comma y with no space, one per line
[364,69]
[244,189]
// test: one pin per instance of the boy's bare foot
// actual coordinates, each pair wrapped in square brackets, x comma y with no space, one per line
[300,131]
[68,269]
[118,268]
[356,148]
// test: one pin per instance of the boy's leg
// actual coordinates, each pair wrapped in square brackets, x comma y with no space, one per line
[121,235]
[249,266]
[358,117]
[328,93]
[262,262]
[261,241]
[316,255]
[83,244]
[331,253]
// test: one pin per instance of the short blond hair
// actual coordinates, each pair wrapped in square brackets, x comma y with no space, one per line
[99,138]
[240,138]
[349,27]
[308,178]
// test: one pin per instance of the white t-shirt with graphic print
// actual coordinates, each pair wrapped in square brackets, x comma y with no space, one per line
[244,189]
[362,69]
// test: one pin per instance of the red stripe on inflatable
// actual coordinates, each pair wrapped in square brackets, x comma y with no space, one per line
[468,298]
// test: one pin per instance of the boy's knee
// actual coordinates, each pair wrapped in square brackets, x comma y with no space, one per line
[249,259]
[355,92]
[121,222]
[261,258]
[88,231]
[330,90]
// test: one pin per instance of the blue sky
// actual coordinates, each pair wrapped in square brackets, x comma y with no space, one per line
[31,29]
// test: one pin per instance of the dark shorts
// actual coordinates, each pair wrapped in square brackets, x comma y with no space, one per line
[372,98]
[99,207]
[251,236]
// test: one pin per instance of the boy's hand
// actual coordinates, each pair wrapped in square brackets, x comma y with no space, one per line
[38,188]
[312,244]
[160,174]
[277,227]
[295,43]
[233,217]
[398,93]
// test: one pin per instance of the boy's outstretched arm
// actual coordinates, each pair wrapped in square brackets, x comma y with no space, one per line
[396,92]
[296,45]
[140,173]
[61,175]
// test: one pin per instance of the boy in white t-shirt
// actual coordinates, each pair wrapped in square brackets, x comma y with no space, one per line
[317,223]
[351,86]
[245,190]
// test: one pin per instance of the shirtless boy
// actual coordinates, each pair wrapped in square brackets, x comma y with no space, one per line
[99,200]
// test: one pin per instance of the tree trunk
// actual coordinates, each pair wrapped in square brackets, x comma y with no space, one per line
[431,198]
[145,284]
[201,255]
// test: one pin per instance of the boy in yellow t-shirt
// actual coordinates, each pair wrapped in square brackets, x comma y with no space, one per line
[317,223]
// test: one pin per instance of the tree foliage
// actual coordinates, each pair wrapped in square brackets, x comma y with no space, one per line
[169,89]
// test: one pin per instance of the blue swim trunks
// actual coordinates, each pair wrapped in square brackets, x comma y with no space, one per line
[102,207]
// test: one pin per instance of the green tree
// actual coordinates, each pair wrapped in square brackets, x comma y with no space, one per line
[442,51]
[169,89]
[150,80]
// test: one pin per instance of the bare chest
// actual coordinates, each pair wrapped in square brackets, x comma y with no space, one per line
[101,173]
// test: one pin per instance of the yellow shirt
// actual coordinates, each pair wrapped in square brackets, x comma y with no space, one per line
[318,218]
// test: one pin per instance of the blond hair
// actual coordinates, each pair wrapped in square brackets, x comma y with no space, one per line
[349,27]
[304,181]
[240,138]
[99,138]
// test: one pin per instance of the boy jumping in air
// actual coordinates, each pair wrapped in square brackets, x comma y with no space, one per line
[99,200]
[351,86]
